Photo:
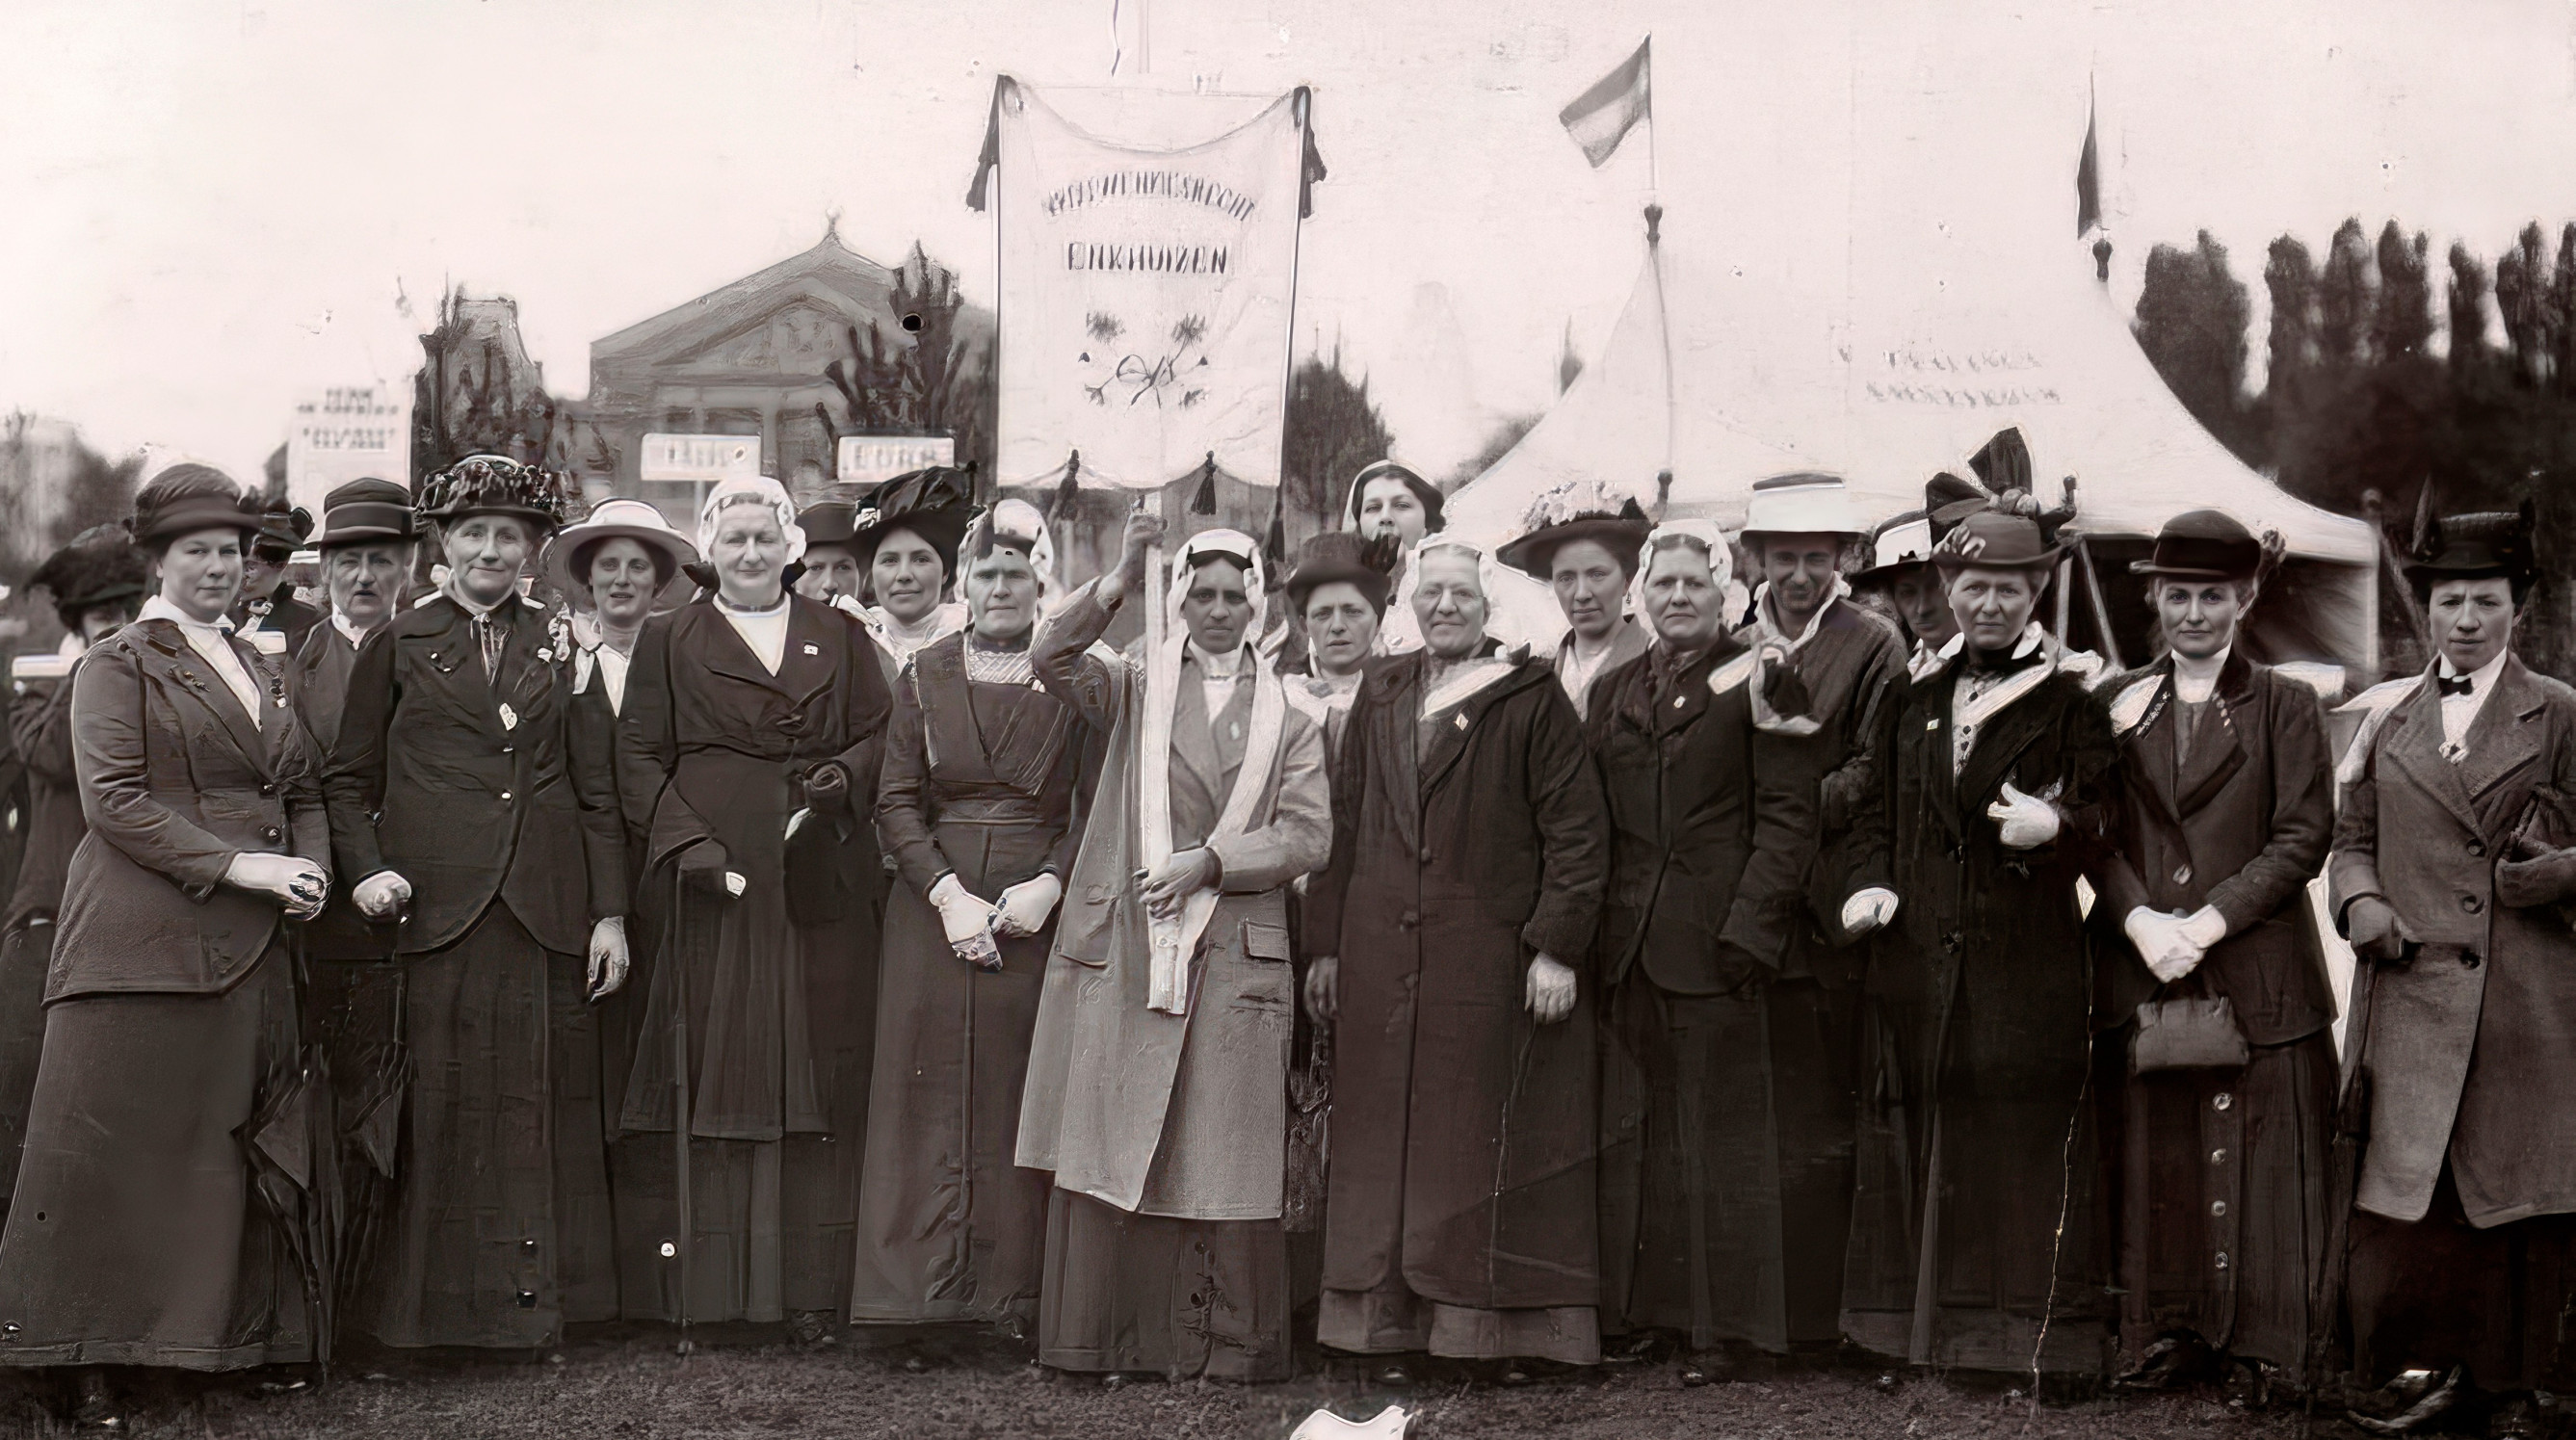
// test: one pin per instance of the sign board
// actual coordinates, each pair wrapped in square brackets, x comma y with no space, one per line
[699,459]
[875,459]
[345,433]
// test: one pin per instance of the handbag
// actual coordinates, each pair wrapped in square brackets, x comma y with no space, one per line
[2187,1032]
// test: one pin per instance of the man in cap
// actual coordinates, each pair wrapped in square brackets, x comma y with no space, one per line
[1821,665]
[1158,1074]
[1470,850]
[1901,570]
[265,607]
[97,583]
[2454,862]
[1587,556]
[831,560]
[368,542]
[2227,806]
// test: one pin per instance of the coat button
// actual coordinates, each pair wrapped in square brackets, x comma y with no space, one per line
[2222,1259]
[2182,875]
[2216,1207]
[2472,904]
[2468,962]
[1407,920]
[2476,850]
[2218,1156]
[509,749]
[270,834]
[269,788]
[505,795]
[2223,1101]
[1425,856]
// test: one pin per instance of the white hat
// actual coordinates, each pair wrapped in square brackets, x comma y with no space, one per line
[1803,504]
[615,519]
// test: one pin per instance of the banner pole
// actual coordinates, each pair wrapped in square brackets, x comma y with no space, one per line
[1303,105]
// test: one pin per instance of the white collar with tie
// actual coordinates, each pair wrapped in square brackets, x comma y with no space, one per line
[209,638]
[2459,712]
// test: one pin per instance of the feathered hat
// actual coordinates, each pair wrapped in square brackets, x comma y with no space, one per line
[1580,509]
[494,485]
[100,566]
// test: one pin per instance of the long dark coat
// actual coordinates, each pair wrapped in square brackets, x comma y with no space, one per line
[1711,827]
[1980,1036]
[780,982]
[1463,1132]
[2465,1036]
[40,725]
[171,1021]
[2223,1205]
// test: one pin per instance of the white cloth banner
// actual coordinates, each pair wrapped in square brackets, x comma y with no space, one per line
[1146,290]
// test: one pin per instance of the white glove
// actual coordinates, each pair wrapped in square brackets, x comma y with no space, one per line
[2160,943]
[2027,822]
[291,880]
[608,959]
[381,895]
[2204,927]
[1868,909]
[1551,989]
[961,915]
[1025,907]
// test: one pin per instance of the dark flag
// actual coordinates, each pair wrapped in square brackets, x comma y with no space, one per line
[2088,182]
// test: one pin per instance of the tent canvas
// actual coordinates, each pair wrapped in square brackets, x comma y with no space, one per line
[1910,284]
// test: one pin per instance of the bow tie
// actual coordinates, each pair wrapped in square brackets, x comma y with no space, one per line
[2459,685]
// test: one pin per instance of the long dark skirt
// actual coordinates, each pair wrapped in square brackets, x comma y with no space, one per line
[1181,1298]
[774,1218]
[24,954]
[950,1228]
[134,1237]
[2224,1210]
[500,1226]
[2440,1292]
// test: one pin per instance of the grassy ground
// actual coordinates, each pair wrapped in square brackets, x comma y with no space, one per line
[630,1386]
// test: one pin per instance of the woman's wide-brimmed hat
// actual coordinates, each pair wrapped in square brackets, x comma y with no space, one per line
[1993,540]
[935,503]
[1342,557]
[189,497]
[570,549]
[1576,510]
[100,566]
[494,485]
[2476,546]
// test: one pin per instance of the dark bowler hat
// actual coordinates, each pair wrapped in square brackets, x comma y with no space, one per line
[827,523]
[282,522]
[366,510]
[2203,545]
[1992,540]
[2476,546]
[1341,557]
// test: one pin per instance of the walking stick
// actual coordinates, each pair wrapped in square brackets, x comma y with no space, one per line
[680,1119]
[2329,1290]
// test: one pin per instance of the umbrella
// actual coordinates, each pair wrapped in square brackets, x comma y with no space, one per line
[289,1147]
[371,1105]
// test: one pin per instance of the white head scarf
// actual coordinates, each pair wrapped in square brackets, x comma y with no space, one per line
[1721,567]
[750,490]
[1020,521]
[1500,624]
[1216,542]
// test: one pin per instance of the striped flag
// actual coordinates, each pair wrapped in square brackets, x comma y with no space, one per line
[1602,116]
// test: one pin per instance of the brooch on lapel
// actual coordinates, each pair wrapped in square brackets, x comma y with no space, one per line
[1462,719]
[509,717]
[813,650]
[545,657]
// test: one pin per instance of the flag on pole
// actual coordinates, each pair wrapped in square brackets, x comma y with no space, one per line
[1602,116]
[2088,182]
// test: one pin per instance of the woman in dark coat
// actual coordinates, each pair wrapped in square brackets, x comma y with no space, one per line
[460,808]
[1707,860]
[2226,804]
[2453,871]
[754,715]
[1994,768]
[136,1235]
[1470,848]
[983,777]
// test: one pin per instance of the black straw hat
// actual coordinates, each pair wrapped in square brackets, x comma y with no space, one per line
[2475,546]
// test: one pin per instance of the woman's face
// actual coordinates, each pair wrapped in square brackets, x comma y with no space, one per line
[201,572]
[906,576]
[2471,620]
[622,582]
[750,555]
[1683,601]
[2199,616]
[1992,606]
[485,554]
[1449,603]
[1389,506]
[831,571]
[1341,625]
[1002,595]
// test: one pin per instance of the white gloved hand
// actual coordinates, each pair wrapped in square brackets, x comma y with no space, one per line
[961,915]
[608,956]
[1550,989]
[2027,822]
[1025,907]
[2161,943]
[1868,909]
[382,895]
[2204,927]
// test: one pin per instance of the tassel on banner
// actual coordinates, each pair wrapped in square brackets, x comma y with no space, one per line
[1068,494]
[1204,502]
[1274,545]
[1663,493]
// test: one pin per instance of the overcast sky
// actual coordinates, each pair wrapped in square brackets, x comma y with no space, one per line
[210,207]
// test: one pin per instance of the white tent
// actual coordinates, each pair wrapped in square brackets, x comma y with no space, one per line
[1909,284]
